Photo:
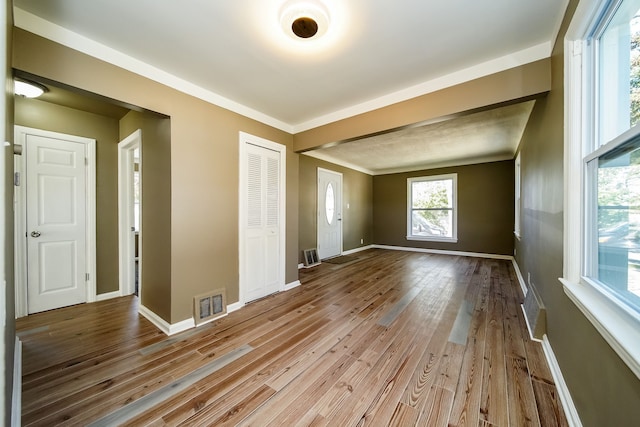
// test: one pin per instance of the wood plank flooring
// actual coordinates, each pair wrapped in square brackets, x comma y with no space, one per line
[370,342]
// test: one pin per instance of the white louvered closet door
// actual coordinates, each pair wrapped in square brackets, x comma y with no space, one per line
[262,244]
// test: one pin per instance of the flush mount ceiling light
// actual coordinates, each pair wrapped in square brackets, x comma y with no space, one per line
[304,19]
[28,89]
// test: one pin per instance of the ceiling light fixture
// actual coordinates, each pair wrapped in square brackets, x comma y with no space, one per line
[304,19]
[28,89]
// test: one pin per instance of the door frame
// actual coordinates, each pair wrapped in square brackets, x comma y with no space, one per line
[245,138]
[126,245]
[339,215]
[20,212]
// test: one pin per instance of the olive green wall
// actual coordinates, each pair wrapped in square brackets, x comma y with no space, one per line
[204,168]
[47,116]
[156,207]
[604,390]
[357,191]
[485,209]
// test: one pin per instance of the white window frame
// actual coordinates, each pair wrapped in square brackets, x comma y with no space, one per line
[454,232]
[618,324]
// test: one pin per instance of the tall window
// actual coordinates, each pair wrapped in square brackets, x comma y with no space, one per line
[602,171]
[431,208]
[612,155]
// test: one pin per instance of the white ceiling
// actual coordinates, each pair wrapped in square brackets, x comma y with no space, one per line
[234,53]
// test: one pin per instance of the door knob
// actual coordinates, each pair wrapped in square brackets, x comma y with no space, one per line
[35,234]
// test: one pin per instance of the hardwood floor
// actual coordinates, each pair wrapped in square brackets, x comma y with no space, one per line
[393,338]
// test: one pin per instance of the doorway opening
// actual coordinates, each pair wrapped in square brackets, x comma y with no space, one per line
[129,214]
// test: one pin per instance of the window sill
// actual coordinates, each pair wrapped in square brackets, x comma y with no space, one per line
[620,329]
[433,239]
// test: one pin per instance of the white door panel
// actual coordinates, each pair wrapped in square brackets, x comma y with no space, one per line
[329,213]
[55,222]
[262,264]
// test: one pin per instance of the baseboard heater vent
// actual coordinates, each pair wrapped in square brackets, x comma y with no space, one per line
[535,314]
[210,306]
[311,258]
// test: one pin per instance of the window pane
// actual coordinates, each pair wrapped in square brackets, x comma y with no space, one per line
[329,203]
[432,223]
[619,221]
[432,208]
[432,194]
[619,72]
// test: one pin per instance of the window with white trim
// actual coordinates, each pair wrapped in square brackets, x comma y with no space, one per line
[612,154]
[602,171]
[432,208]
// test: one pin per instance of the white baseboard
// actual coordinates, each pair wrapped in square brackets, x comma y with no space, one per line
[213,319]
[163,325]
[563,391]
[443,252]
[356,250]
[16,399]
[523,285]
[235,306]
[292,285]
[108,295]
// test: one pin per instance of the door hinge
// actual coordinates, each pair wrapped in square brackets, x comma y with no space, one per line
[86,276]
[16,179]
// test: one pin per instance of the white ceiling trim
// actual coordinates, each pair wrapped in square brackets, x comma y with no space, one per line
[34,24]
[516,59]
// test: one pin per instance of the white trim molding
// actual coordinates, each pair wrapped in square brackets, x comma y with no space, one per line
[521,281]
[291,285]
[443,252]
[108,295]
[234,307]
[163,325]
[356,250]
[570,411]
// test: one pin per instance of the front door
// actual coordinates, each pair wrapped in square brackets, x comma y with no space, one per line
[262,217]
[329,213]
[56,191]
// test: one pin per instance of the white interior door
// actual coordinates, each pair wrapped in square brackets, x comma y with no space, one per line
[262,218]
[329,213]
[56,221]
